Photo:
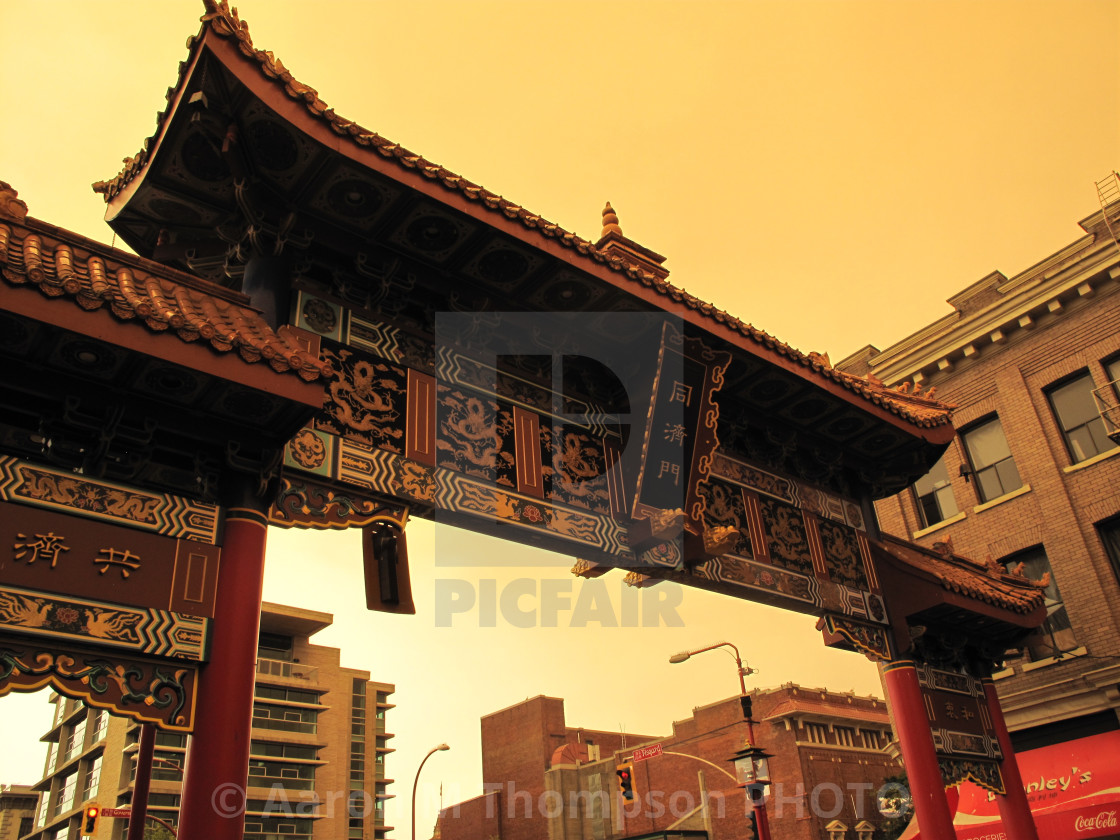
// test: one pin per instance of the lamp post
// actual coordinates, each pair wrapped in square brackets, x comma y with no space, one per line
[749,761]
[416,780]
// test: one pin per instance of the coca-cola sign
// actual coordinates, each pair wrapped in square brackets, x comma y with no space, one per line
[1103,819]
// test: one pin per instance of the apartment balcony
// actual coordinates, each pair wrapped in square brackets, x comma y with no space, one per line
[281,672]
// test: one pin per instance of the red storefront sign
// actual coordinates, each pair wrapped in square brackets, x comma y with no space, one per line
[1073,789]
[652,751]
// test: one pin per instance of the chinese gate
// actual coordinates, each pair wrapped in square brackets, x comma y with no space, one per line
[325,330]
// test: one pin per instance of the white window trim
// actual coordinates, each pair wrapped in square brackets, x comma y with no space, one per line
[957,517]
[1054,660]
[1006,497]
[1096,459]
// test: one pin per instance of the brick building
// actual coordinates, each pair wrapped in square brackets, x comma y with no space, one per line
[1032,480]
[543,779]
[17,810]
[318,736]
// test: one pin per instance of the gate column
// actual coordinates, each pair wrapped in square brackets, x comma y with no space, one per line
[217,766]
[1014,808]
[918,757]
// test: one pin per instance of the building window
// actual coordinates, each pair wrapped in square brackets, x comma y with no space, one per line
[1112,368]
[1109,531]
[845,736]
[1078,418]
[77,739]
[992,465]
[41,818]
[100,725]
[869,738]
[1056,634]
[93,778]
[934,494]
[66,794]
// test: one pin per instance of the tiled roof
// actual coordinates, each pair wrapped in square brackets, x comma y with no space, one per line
[818,708]
[224,22]
[61,264]
[983,582]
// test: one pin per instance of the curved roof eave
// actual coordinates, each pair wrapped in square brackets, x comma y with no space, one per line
[222,25]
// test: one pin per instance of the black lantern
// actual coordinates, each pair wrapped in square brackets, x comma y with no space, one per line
[752,770]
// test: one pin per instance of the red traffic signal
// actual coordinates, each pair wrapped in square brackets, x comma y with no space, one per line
[89,819]
[625,774]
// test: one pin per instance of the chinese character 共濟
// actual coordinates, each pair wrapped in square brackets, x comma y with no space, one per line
[44,547]
[117,557]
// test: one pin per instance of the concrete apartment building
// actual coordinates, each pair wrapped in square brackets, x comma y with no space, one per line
[319,745]
[543,779]
[17,810]
[1032,481]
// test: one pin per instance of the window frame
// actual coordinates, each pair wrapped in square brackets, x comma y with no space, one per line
[992,468]
[1108,532]
[935,494]
[1091,431]
[1058,622]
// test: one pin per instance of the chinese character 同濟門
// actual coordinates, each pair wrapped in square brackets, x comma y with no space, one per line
[681,393]
[675,433]
[669,469]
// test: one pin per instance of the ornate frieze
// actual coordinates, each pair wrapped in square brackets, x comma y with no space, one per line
[148,630]
[147,691]
[159,513]
[306,504]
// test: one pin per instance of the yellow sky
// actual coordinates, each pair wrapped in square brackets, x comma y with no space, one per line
[829,171]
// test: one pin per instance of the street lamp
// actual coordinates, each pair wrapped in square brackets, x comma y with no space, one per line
[415,781]
[752,766]
[752,770]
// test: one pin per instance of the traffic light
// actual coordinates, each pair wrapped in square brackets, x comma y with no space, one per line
[626,780]
[89,819]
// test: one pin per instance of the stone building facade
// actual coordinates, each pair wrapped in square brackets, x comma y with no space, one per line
[1032,481]
[17,810]
[317,765]
[545,780]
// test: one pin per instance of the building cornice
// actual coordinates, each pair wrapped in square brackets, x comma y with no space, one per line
[1031,298]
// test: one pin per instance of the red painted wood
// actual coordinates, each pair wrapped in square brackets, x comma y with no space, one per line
[912,728]
[1014,809]
[213,805]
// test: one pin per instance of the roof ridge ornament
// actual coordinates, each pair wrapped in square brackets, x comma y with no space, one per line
[11,205]
[610,221]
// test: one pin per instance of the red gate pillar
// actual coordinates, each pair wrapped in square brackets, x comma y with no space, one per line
[1014,809]
[217,767]
[912,724]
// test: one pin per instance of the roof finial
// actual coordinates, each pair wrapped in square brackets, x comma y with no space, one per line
[610,221]
[11,205]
